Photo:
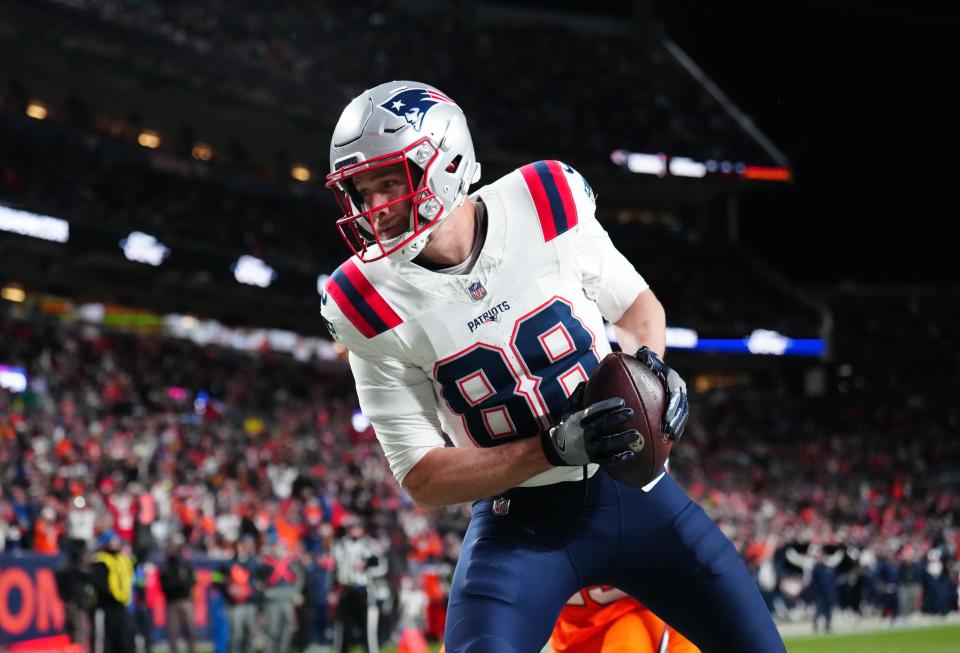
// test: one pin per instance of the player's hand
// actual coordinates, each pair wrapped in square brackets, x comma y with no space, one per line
[591,435]
[678,409]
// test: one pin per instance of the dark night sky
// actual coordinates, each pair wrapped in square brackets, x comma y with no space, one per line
[854,93]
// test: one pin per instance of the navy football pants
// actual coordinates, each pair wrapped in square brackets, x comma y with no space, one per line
[517,570]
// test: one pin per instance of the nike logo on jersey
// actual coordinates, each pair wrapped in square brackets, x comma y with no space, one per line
[488,316]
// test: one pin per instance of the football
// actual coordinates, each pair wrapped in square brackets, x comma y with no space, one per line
[622,375]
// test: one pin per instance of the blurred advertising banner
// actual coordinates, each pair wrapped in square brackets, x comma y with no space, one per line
[31,608]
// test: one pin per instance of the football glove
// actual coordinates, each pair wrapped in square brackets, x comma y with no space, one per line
[590,435]
[678,410]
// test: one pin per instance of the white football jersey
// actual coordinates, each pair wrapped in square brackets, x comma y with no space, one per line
[490,356]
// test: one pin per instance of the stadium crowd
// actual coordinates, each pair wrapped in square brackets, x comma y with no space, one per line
[660,106]
[160,440]
[865,473]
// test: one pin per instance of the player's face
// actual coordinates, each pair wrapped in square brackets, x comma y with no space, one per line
[385,191]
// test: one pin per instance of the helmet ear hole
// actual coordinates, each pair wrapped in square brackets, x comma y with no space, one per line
[453,165]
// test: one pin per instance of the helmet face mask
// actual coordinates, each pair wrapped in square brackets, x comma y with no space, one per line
[421,132]
[359,224]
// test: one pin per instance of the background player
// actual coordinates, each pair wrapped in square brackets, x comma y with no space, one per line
[606,620]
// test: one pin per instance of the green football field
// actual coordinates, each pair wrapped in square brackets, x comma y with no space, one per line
[933,639]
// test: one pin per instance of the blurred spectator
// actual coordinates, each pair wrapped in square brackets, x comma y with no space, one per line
[936,585]
[823,590]
[888,586]
[282,576]
[80,523]
[238,579]
[144,572]
[316,623]
[47,531]
[177,579]
[112,577]
[74,585]
[359,564]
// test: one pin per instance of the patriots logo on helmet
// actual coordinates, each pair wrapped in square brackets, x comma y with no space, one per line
[412,104]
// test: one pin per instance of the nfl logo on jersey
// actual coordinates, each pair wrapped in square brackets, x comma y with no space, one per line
[477,291]
[501,506]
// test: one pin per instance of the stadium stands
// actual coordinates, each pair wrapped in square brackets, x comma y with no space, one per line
[109,414]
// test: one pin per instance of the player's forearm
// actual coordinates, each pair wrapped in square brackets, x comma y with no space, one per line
[447,476]
[644,323]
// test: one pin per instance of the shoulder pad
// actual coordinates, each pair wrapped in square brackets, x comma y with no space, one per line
[556,188]
[359,302]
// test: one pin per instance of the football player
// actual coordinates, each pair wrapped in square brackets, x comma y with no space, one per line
[604,619]
[477,315]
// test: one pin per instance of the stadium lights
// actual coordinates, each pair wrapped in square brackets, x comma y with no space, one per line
[300,173]
[149,139]
[25,223]
[681,166]
[13,379]
[681,338]
[37,111]
[648,164]
[13,294]
[202,152]
[761,342]
[252,271]
[766,173]
[144,248]
[664,165]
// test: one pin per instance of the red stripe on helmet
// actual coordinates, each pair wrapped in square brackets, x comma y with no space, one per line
[437,95]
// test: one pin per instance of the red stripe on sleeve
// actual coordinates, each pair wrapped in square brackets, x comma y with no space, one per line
[566,195]
[371,296]
[540,201]
[349,311]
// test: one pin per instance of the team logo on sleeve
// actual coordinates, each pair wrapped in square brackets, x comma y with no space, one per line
[412,104]
[477,291]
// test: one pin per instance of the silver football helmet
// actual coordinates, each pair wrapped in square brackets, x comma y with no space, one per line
[418,128]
